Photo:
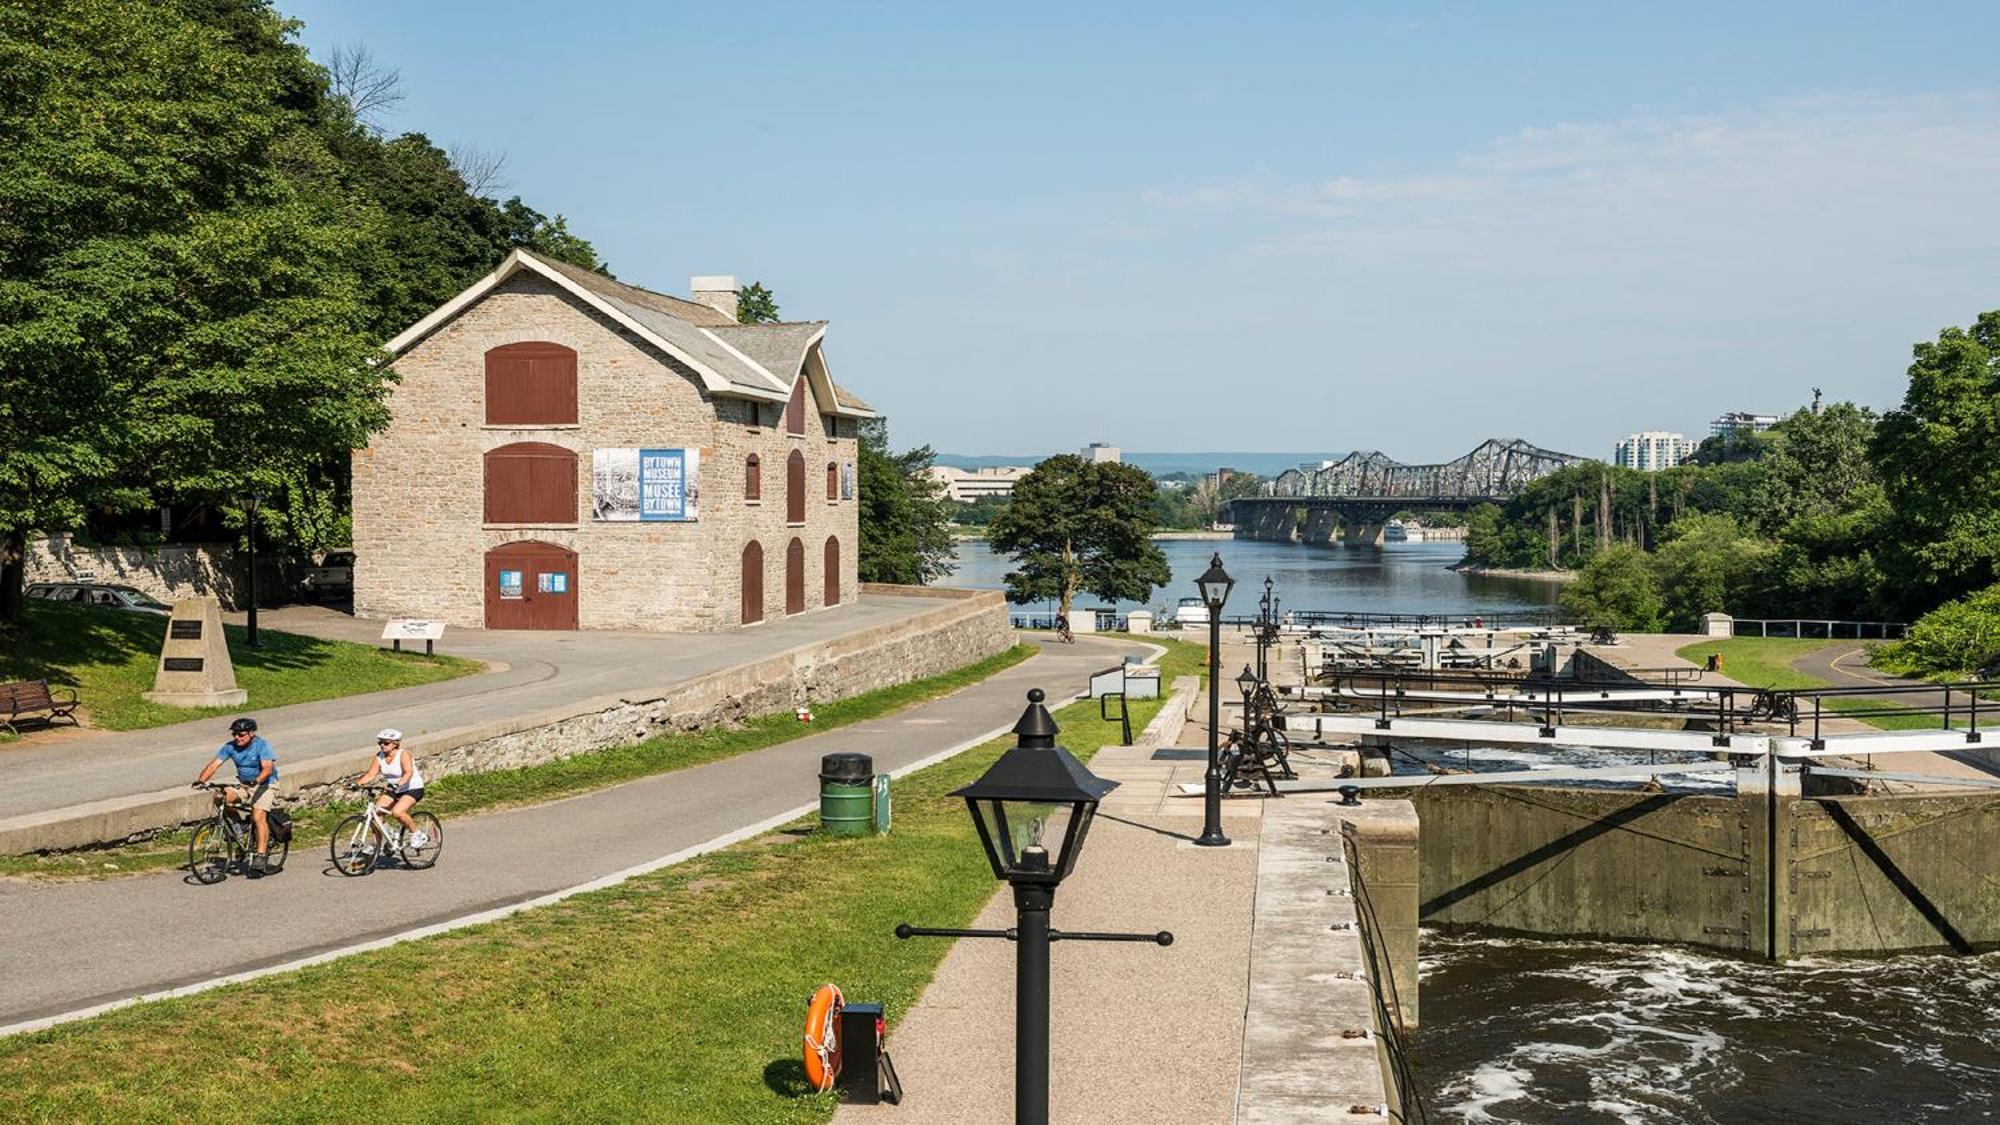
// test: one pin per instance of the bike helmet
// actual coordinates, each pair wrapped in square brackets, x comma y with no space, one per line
[241,725]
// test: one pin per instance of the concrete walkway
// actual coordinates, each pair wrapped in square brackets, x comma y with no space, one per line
[1193,1033]
[538,671]
[75,945]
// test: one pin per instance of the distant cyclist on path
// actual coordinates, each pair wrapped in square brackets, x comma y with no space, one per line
[257,772]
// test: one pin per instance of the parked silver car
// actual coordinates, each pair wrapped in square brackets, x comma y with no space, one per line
[127,598]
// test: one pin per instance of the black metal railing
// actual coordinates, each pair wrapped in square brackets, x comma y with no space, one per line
[1962,702]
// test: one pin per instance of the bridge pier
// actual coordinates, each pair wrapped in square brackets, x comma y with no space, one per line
[1362,534]
[1272,523]
[1319,526]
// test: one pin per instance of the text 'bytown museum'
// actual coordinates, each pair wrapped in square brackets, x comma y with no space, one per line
[566,451]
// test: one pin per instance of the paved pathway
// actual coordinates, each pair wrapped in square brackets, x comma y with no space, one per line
[69,946]
[541,670]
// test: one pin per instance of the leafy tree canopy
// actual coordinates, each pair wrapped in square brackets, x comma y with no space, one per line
[756,305]
[1815,463]
[1076,525]
[1939,458]
[1616,588]
[905,537]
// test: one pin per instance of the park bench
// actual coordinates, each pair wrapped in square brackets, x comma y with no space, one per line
[27,697]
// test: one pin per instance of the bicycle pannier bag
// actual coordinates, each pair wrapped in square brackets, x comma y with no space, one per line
[281,826]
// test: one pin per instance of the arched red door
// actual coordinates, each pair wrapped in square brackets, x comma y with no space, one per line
[831,568]
[795,577]
[531,585]
[753,583]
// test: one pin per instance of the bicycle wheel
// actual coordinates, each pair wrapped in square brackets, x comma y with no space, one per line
[356,847]
[208,855]
[426,856]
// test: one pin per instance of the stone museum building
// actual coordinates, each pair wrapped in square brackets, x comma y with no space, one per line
[566,451]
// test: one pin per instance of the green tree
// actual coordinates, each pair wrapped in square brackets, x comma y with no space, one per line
[1076,525]
[905,517]
[1939,459]
[1616,588]
[1815,463]
[1706,565]
[1958,638]
[756,305]
[180,308]
[526,227]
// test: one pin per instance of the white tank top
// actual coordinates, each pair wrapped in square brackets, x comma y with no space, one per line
[392,771]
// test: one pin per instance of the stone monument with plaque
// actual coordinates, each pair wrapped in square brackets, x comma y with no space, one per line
[195,670]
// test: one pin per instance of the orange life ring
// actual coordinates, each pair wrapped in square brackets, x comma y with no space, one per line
[823,1037]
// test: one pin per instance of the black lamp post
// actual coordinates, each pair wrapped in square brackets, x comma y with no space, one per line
[250,504]
[1033,810]
[1214,585]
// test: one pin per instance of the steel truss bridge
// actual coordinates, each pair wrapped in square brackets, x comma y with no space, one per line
[1361,491]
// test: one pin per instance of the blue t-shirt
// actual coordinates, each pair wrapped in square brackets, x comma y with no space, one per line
[248,759]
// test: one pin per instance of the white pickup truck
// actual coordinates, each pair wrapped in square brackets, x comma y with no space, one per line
[332,578]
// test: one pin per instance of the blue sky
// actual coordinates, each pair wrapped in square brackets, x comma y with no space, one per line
[1397,226]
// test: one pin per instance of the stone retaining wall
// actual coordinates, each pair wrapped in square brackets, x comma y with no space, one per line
[168,573]
[966,626]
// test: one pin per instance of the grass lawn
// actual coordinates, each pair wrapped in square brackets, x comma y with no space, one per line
[109,657]
[1765,662]
[678,995]
[463,794]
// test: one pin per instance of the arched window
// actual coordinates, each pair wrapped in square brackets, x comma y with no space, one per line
[753,478]
[530,482]
[833,480]
[753,582]
[831,569]
[531,384]
[795,488]
[795,410]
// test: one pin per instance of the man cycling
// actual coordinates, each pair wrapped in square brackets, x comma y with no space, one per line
[397,768]
[257,770]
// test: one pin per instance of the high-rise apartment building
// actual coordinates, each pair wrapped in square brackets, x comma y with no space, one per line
[1652,450]
[1740,423]
[1098,451]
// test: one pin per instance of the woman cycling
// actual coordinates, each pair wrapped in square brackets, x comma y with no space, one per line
[397,768]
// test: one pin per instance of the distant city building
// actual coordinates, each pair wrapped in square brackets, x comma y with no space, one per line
[1738,423]
[967,485]
[1652,450]
[1098,451]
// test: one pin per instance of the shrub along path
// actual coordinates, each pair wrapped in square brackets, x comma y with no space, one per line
[77,944]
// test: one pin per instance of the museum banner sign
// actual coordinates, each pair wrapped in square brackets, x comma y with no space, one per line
[644,484]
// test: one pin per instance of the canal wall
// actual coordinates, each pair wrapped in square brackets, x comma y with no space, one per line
[1762,875]
[1332,964]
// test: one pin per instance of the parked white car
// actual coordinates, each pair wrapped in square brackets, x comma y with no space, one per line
[127,598]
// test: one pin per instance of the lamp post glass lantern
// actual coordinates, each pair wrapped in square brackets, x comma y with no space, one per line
[1214,585]
[1036,797]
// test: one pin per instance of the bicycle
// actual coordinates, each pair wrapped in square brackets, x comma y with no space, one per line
[1063,635]
[230,837]
[360,842]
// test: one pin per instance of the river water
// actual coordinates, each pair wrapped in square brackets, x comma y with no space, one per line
[1393,578]
[1561,1031]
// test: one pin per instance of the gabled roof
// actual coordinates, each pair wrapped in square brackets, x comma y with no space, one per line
[759,361]
[779,348]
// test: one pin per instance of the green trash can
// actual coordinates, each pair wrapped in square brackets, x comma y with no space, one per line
[846,794]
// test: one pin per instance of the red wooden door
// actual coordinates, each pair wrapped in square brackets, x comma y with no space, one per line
[831,568]
[531,585]
[795,577]
[753,583]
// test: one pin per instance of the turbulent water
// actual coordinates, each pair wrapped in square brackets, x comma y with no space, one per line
[1544,1031]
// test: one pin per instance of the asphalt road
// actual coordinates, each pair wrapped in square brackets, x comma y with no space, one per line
[542,670]
[70,946]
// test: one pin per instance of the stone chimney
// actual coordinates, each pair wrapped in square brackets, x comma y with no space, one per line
[718,293]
